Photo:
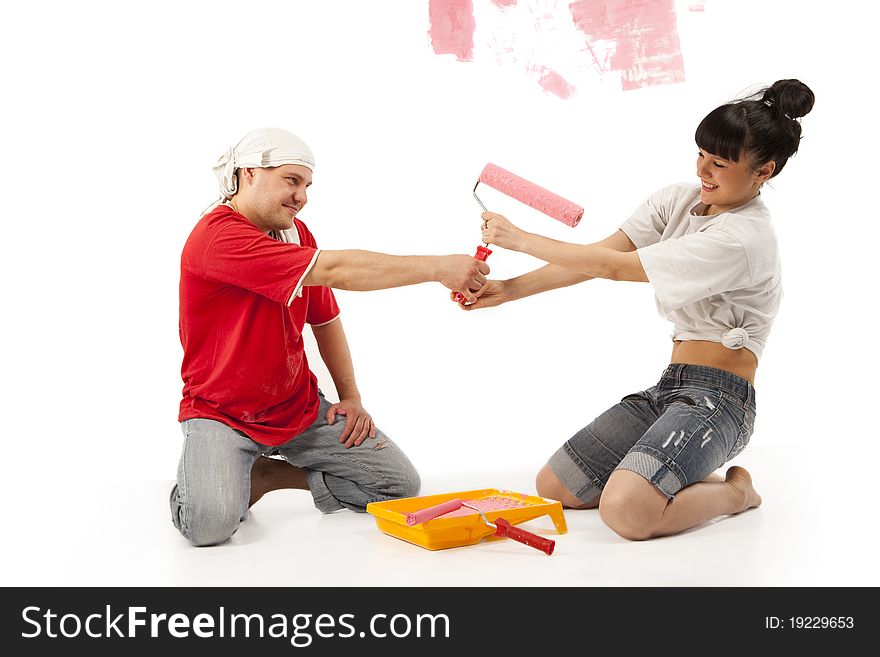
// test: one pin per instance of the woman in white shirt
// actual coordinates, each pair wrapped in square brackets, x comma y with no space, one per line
[708,249]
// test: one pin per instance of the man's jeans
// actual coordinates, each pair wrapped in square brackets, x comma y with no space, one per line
[210,499]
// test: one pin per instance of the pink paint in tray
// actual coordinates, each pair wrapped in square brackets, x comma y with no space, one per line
[440,521]
[486,504]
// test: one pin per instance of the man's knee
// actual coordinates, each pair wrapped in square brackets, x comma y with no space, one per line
[204,525]
[408,482]
[399,476]
[212,533]
[211,529]
[401,481]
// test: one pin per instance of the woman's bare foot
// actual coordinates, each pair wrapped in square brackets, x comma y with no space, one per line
[741,481]
[714,478]
[274,474]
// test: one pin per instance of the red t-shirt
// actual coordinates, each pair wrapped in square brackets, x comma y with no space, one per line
[242,312]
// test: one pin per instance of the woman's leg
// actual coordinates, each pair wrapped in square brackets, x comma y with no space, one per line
[664,485]
[548,485]
[638,510]
[576,474]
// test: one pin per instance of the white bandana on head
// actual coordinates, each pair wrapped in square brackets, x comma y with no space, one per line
[267,147]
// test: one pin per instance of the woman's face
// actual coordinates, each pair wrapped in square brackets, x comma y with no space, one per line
[726,184]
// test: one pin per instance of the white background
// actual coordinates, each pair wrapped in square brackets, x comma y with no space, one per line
[113,115]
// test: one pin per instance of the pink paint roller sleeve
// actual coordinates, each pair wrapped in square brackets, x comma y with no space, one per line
[424,515]
[532,195]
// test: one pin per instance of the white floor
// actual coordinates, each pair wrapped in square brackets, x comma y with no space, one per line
[123,537]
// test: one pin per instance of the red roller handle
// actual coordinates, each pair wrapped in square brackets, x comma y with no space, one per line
[481,254]
[504,528]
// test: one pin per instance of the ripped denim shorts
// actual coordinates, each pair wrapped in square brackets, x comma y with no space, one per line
[674,434]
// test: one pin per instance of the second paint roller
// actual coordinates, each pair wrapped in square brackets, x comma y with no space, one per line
[526,192]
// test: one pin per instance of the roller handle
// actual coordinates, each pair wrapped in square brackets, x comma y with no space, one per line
[481,254]
[504,528]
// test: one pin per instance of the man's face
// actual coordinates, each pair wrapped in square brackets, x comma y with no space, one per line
[275,195]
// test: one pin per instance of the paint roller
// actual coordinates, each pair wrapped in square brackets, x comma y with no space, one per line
[501,526]
[526,192]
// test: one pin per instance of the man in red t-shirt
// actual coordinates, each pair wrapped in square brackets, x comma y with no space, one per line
[251,277]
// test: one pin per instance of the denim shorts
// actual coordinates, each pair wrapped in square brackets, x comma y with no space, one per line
[674,434]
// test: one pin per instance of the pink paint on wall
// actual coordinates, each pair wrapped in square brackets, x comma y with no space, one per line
[452,28]
[558,41]
[648,50]
[555,84]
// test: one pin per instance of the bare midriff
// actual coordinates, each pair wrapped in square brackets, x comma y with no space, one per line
[741,362]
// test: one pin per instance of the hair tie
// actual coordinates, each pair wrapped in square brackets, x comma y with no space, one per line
[769,103]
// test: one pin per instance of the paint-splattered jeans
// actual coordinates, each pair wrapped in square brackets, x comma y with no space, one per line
[673,434]
[210,499]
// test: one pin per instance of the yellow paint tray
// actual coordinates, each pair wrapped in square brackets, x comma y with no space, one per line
[441,532]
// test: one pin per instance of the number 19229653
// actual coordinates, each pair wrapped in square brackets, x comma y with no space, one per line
[810,622]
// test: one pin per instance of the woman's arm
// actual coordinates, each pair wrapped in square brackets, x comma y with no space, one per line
[590,260]
[548,277]
[554,276]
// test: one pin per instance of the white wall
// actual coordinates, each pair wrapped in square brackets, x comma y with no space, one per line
[114,114]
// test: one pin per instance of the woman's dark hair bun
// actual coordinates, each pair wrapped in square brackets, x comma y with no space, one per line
[762,126]
[791,98]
